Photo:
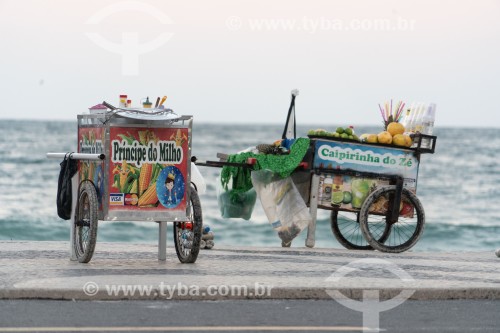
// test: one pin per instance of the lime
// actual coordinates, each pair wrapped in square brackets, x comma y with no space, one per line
[340,130]
[347,197]
[337,197]
[344,136]
[348,130]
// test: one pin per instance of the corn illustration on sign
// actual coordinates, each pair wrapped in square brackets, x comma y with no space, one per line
[148,168]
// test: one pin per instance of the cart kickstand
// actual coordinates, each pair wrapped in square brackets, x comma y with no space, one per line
[313,210]
[162,241]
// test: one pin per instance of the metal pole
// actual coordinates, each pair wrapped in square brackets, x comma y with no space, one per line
[313,209]
[74,200]
[162,241]
[77,156]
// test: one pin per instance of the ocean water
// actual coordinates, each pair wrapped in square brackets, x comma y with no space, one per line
[459,187]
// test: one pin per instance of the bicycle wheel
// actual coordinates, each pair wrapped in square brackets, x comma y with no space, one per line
[85,226]
[405,232]
[187,235]
[346,229]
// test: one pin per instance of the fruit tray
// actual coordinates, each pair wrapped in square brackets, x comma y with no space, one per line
[418,142]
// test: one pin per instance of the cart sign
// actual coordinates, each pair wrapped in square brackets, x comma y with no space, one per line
[365,158]
[347,192]
[148,169]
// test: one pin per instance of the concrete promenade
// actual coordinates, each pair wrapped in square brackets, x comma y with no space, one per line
[42,270]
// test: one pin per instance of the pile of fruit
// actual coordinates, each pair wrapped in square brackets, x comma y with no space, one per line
[346,133]
[394,134]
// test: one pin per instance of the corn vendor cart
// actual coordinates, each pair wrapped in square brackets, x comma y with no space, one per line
[134,165]
[370,188]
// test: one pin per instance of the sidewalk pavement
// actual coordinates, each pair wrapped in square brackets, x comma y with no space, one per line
[43,270]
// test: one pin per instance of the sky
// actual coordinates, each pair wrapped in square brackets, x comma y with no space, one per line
[235,61]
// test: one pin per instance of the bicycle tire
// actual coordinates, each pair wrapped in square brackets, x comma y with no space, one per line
[405,232]
[347,231]
[85,224]
[193,211]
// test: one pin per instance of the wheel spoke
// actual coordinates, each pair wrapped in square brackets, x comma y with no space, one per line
[404,233]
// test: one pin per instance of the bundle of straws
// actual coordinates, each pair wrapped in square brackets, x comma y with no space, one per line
[391,114]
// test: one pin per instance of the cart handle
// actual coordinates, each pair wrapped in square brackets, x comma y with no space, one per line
[77,156]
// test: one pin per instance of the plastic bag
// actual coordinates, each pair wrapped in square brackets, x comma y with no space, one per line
[64,188]
[284,207]
[234,204]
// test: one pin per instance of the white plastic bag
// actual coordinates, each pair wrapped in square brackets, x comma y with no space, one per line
[198,179]
[284,207]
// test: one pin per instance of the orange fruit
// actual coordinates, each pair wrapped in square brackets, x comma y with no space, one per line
[384,137]
[399,140]
[408,140]
[395,128]
[372,138]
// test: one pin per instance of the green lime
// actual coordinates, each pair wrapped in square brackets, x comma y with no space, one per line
[350,137]
[337,135]
[337,197]
[340,130]
[348,130]
[344,136]
[347,197]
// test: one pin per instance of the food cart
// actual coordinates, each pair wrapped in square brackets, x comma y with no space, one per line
[134,165]
[370,188]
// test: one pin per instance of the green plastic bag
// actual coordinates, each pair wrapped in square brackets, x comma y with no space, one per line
[236,204]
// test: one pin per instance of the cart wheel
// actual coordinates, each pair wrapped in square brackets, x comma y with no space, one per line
[85,231]
[405,232]
[346,229]
[187,235]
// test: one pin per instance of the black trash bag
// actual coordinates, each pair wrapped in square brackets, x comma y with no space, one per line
[64,198]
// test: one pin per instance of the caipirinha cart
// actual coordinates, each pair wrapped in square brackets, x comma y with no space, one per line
[134,166]
[370,188]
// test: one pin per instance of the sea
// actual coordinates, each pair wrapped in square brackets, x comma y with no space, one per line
[458,185]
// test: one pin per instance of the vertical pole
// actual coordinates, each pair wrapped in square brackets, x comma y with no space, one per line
[313,209]
[74,200]
[162,241]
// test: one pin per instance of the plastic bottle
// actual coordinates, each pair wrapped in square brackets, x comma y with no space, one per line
[327,190]
[428,119]
[410,124]
[406,119]
[321,188]
[428,125]
[337,190]
[123,101]
[417,122]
